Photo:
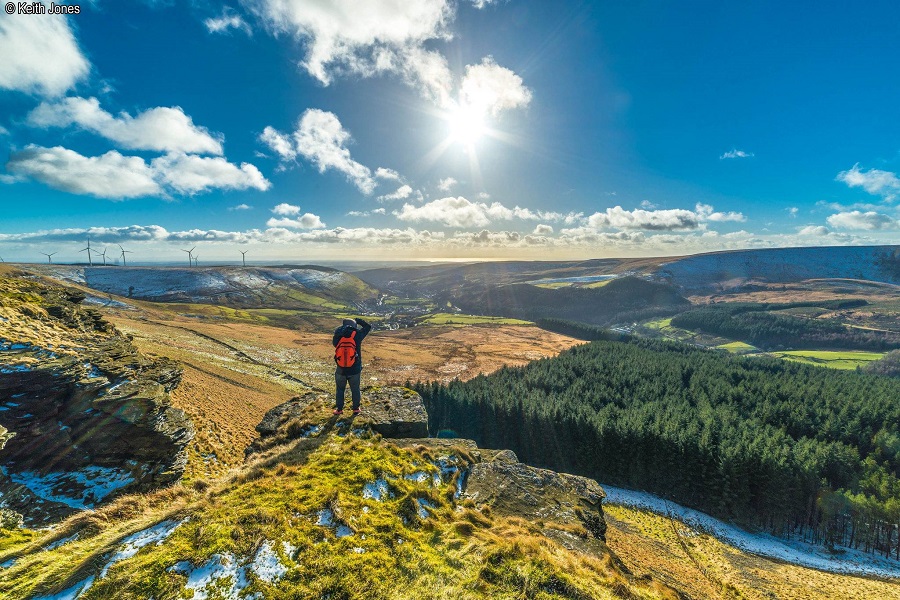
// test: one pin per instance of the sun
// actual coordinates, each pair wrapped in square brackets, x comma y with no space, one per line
[466,123]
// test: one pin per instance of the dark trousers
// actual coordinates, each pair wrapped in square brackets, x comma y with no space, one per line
[340,381]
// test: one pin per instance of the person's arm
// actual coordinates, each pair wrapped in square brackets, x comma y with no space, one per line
[336,337]
[365,328]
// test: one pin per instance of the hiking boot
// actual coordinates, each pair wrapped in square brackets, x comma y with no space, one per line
[337,412]
[356,411]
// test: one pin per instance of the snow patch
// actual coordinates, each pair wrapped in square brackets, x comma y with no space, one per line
[376,490]
[204,579]
[71,593]
[267,565]
[852,562]
[130,545]
[424,505]
[79,489]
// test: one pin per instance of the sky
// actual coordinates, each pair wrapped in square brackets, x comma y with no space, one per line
[300,130]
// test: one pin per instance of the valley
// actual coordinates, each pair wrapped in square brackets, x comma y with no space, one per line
[243,353]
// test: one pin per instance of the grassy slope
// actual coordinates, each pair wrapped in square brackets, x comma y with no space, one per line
[452,550]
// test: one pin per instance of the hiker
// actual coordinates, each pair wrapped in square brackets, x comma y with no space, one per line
[347,342]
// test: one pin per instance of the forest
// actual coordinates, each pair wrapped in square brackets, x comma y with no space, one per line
[755,324]
[793,449]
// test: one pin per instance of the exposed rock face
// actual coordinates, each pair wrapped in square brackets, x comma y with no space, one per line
[89,416]
[392,412]
[516,489]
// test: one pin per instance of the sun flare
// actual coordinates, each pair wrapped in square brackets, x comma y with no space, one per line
[466,123]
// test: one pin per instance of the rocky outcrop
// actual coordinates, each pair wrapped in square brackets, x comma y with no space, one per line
[487,477]
[89,417]
[392,412]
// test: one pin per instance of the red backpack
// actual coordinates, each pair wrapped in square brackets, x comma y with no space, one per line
[346,353]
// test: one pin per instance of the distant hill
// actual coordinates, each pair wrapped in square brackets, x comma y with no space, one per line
[273,287]
[783,265]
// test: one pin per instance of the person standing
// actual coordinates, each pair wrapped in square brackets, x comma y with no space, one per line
[347,342]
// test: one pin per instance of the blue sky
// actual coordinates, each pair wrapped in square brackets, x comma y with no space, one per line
[302,129]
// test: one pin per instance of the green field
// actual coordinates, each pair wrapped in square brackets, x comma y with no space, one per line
[846,360]
[461,319]
[737,347]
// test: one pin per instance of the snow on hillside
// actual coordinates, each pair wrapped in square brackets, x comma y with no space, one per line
[781,265]
[201,284]
[850,562]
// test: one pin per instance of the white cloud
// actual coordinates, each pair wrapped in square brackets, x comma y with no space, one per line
[190,174]
[286,210]
[4,130]
[490,88]
[117,177]
[280,143]
[645,204]
[676,219]
[366,213]
[321,139]
[874,181]
[366,38]
[162,129]
[228,20]
[792,211]
[446,184]
[814,230]
[735,153]
[108,176]
[304,221]
[868,221]
[402,192]
[479,4]
[543,230]
[40,55]
[461,212]
[240,207]
[387,174]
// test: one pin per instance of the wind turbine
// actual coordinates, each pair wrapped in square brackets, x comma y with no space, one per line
[244,256]
[190,256]
[89,252]
[103,254]
[49,255]
[124,264]
[195,261]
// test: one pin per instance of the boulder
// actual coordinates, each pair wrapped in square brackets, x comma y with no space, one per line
[393,412]
[516,489]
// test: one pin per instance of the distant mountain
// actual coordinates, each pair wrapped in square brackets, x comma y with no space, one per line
[274,287]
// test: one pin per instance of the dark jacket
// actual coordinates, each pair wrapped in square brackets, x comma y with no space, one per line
[362,330]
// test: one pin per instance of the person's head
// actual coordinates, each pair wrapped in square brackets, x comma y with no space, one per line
[349,323]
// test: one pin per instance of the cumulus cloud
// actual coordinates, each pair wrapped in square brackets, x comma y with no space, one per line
[868,221]
[240,207]
[366,39]
[490,88]
[874,181]
[401,193]
[40,55]
[225,22]
[118,177]
[286,210]
[190,174]
[461,212]
[387,174]
[735,153]
[543,230]
[792,211]
[814,230]
[110,175]
[304,221]
[676,219]
[446,184]
[321,139]
[162,129]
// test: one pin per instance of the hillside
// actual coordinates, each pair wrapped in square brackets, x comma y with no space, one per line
[273,287]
